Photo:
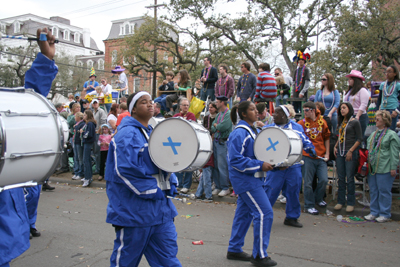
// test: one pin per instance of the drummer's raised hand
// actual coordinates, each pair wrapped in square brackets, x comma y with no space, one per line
[47,47]
[266,167]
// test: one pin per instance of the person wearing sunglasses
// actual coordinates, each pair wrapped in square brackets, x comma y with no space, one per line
[330,97]
[316,129]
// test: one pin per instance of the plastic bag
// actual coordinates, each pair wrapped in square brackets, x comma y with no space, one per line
[371,119]
[196,106]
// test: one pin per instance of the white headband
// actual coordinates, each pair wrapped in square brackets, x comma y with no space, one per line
[135,98]
[285,110]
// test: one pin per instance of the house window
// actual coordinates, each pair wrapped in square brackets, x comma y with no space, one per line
[17,27]
[125,61]
[100,64]
[66,35]
[114,56]
[76,37]
[166,56]
[54,31]
[136,86]
[127,29]
[79,63]
[89,63]
[3,28]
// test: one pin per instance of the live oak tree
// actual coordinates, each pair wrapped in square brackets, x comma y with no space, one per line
[366,37]
[293,23]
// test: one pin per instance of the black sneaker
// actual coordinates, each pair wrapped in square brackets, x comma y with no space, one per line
[208,199]
[292,222]
[262,262]
[238,256]
[35,232]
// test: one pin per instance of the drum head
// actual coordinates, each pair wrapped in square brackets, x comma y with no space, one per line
[272,145]
[173,145]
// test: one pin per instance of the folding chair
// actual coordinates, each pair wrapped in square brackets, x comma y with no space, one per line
[332,177]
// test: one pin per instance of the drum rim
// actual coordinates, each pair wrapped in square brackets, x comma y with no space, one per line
[167,119]
[3,138]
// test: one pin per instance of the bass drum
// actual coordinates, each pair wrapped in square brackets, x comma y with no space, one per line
[177,145]
[32,137]
[275,145]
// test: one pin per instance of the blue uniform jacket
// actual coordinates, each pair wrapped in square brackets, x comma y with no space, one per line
[131,188]
[242,163]
[40,76]
[307,145]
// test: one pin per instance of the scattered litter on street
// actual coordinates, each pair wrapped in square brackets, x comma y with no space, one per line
[198,242]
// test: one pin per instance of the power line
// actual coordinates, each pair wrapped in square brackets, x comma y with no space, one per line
[142,77]
[91,14]
[91,7]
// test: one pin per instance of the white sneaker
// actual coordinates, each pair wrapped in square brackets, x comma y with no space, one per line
[382,219]
[83,179]
[73,177]
[216,191]
[76,177]
[86,183]
[213,186]
[184,190]
[224,193]
[283,200]
[313,211]
[370,217]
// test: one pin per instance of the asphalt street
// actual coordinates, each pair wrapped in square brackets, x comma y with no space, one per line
[74,233]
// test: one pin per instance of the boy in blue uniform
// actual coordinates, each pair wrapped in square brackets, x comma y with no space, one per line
[138,209]
[287,179]
[14,223]
[247,176]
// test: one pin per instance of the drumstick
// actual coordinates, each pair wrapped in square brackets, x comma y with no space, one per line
[280,163]
[179,199]
[324,159]
[191,196]
[23,38]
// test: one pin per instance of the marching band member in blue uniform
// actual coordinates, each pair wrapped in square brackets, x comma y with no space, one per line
[288,179]
[138,209]
[14,223]
[247,176]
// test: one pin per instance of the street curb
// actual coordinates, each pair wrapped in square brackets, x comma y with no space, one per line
[232,200]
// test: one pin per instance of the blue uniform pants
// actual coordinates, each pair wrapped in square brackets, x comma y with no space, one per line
[32,195]
[157,243]
[289,181]
[252,206]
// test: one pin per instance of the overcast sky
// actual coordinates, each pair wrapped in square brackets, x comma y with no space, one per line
[93,14]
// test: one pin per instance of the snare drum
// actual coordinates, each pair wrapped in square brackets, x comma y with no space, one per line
[178,145]
[275,145]
[154,121]
[32,137]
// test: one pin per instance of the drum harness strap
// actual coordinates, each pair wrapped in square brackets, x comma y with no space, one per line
[162,183]
[260,174]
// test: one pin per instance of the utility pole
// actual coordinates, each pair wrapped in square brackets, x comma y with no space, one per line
[154,87]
